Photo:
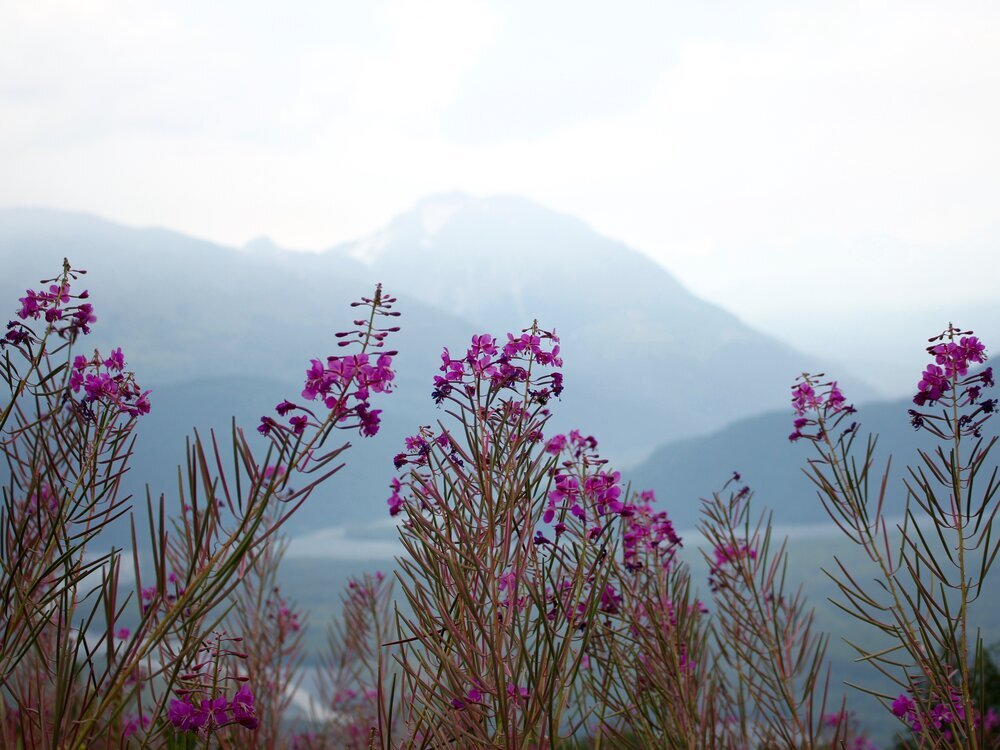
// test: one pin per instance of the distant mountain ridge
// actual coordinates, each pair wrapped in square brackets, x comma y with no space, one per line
[646,361]
[672,364]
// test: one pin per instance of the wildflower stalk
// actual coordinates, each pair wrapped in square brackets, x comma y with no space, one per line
[921,616]
[67,455]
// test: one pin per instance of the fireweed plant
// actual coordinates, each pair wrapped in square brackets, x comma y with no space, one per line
[71,676]
[933,562]
[542,602]
[353,673]
[546,603]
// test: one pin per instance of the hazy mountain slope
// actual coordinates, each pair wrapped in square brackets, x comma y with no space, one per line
[356,495]
[646,361]
[184,309]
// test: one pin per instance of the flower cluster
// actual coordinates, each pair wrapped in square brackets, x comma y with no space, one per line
[574,443]
[595,495]
[471,381]
[942,715]
[200,706]
[648,533]
[64,312]
[418,450]
[951,362]
[106,381]
[947,380]
[502,366]
[814,404]
[214,713]
[344,384]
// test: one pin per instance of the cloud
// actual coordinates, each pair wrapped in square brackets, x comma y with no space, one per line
[335,542]
[709,136]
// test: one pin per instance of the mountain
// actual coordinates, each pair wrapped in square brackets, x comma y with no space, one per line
[185,309]
[646,360]
[217,331]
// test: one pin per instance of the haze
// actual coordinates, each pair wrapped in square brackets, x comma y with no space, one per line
[809,166]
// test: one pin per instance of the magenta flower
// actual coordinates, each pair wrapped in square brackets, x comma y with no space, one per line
[902,705]
[611,600]
[804,399]
[29,306]
[973,349]
[369,420]
[115,361]
[317,381]
[483,345]
[298,424]
[932,386]
[991,720]
[345,383]
[186,717]
[216,708]
[473,696]
[555,445]
[395,501]
[284,407]
[243,707]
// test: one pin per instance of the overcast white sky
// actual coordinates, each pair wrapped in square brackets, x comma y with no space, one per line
[771,154]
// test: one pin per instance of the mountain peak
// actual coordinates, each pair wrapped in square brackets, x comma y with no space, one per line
[263,245]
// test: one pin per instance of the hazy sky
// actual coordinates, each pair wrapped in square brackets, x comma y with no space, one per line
[772,155]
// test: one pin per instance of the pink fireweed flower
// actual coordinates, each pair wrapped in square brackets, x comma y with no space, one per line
[244,712]
[345,383]
[298,424]
[185,716]
[115,361]
[991,720]
[483,345]
[685,664]
[834,719]
[932,386]
[395,500]
[648,533]
[56,307]
[288,620]
[813,403]
[902,705]
[805,399]
[473,696]
[555,445]
[948,379]
[508,580]
[835,400]
[217,708]
[106,382]
[904,708]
